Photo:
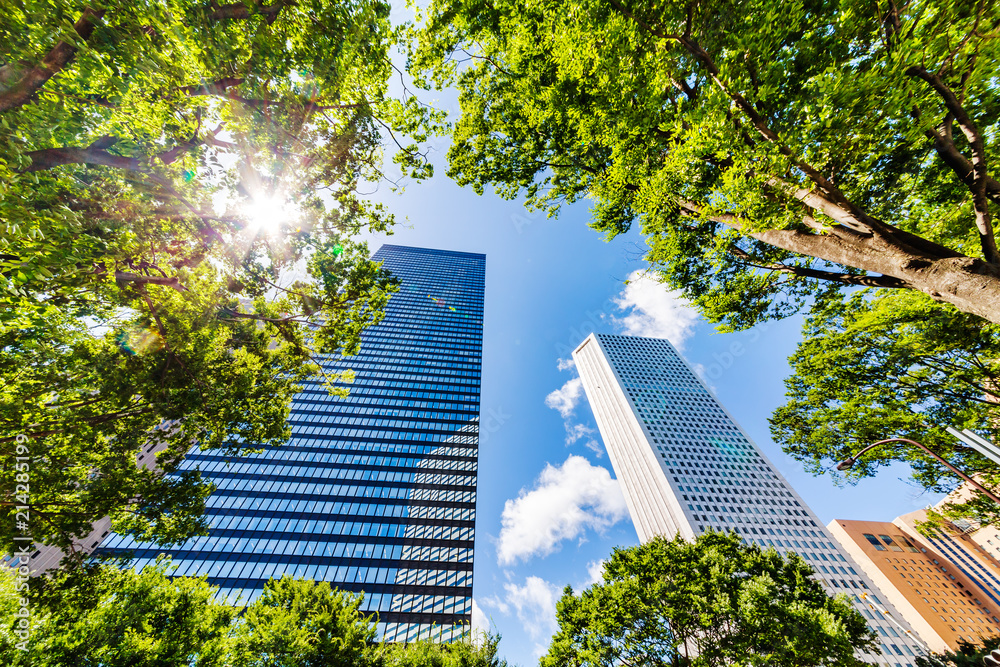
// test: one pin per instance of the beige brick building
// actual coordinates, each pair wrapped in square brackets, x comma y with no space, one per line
[932,582]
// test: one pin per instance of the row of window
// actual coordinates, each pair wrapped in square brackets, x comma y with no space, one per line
[363,395]
[309,506]
[468,345]
[347,470]
[885,541]
[304,409]
[298,552]
[464,444]
[403,496]
[411,632]
[328,479]
[464,460]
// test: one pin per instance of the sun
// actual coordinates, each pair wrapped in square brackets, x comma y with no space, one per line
[269,213]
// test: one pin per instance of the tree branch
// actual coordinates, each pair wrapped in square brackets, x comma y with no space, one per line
[827,189]
[241,11]
[127,277]
[836,203]
[960,280]
[818,274]
[973,135]
[949,153]
[95,154]
[53,62]
[213,88]
[166,342]
[94,419]
[236,315]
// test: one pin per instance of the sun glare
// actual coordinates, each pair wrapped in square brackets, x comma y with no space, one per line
[268,214]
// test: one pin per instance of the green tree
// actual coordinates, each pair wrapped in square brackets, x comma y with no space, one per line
[773,152]
[300,623]
[477,650]
[713,601]
[178,244]
[880,365]
[967,655]
[103,615]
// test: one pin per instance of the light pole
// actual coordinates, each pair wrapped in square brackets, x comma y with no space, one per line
[849,462]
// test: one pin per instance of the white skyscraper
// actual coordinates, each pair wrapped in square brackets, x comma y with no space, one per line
[686,467]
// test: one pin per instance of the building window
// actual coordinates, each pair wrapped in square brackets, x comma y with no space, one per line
[874,542]
[890,543]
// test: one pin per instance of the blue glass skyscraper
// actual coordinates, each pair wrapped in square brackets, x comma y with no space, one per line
[375,492]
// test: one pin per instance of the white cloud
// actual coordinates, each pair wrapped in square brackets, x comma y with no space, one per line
[564,503]
[494,602]
[595,447]
[565,364]
[566,398]
[576,431]
[595,574]
[479,621]
[535,604]
[654,311]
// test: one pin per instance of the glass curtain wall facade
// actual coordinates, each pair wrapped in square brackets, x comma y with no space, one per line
[686,467]
[375,492]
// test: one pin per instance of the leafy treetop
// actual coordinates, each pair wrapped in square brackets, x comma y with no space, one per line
[713,601]
[107,616]
[178,246]
[874,366]
[773,152]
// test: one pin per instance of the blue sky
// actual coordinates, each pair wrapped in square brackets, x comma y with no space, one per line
[548,507]
[549,283]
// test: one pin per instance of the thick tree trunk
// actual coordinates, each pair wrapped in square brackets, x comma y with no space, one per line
[122,277]
[56,59]
[969,284]
[51,158]
[241,11]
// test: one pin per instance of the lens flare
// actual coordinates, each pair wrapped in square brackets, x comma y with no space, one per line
[268,214]
[135,342]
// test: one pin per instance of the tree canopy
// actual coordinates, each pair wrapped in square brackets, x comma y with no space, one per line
[831,156]
[881,365]
[967,655]
[713,601]
[179,197]
[773,152]
[103,615]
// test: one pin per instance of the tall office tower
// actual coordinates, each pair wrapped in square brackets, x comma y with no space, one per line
[934,594]
[375,492]
[963,546]
[968,544]
[686,467]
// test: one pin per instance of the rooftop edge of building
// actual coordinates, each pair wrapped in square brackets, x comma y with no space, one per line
[436,251]
[598,335]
